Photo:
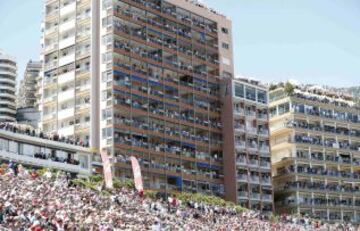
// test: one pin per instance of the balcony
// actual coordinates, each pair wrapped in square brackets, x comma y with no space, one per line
[65,113]
[265,165]
[240,145]
[51,47]
[66,95]
[239,112]
[51,30]
[251,114]
[266,180]
[67,59]
[251,131]
[50,98]
[262,116]
[252,147]
[68,9]
[241,161]
[255,196]
[266,197]
[242,177]
[49,116]
[243,194]
[239,128]
[67,42]
[66,131]
[68,25]
[254,179]
[254,163]
[66,77]
[51,65]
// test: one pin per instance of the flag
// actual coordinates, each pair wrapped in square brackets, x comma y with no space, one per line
[137,174]
[107,170]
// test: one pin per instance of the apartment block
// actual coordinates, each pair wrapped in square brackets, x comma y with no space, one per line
[140,78]
[65,87]
[315,148]
[8,75]
[28,86]
[246,144]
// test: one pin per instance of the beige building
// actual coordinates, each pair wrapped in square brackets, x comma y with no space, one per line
[315,152]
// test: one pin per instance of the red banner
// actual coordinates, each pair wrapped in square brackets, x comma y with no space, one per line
[107,170]
[137,174]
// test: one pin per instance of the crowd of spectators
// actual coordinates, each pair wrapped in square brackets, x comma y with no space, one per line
[17,128]
[48,156]
[29,201]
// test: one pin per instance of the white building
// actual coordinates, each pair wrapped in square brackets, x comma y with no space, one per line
[7,87]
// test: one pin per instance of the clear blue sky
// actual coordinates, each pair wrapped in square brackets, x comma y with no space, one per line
[310,41]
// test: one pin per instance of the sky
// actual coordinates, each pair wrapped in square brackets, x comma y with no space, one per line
[274,40]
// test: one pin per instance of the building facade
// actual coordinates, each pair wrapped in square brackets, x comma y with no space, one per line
[8,75]
[65,81]
[141,78]
[28,148]
[246,141]
[315,148]
[28,86]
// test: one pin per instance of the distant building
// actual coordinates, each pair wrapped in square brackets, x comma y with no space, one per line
[28,86]
[29,116]
[7,87]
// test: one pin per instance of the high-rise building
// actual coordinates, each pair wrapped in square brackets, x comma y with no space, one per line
[141,78]
[315,152]
[27,101]
[66,78]
[28,86]
[7,87]
[246,144]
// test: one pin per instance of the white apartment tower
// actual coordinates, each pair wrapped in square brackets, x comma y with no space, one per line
[7,87]
[65,91]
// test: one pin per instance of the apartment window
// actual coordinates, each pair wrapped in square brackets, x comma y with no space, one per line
[261,96]
[250,93]
[239,90]
[225,45]
[225,30]
[284,108]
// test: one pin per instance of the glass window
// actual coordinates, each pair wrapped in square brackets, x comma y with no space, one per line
[29,150]
[272,112]
[4,144]
[262,96]
[239,90]
[284,108]
[13,147]
[250,93]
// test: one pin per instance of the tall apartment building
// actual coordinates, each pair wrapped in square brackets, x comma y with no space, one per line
[28,85]
[7,87]
[246,144]
[66,78]
[141,78]
[315,148]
